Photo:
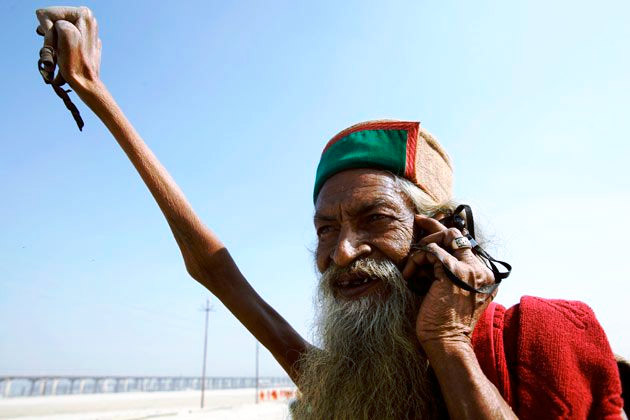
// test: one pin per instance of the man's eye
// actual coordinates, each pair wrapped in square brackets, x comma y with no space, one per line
[377,217]
[324,230]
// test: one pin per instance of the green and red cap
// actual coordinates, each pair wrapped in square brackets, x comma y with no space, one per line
[400,147]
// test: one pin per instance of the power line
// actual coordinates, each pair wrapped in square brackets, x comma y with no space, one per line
[205,347]
[257,345]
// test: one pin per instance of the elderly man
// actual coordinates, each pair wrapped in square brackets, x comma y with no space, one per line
[387,352]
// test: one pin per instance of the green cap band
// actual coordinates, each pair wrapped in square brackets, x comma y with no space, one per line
[382,149]
[400,147]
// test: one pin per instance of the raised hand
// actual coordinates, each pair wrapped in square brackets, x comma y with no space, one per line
[448,312]
[72,34]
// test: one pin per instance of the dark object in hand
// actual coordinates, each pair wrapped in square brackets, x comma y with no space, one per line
[46,66]
[421,283]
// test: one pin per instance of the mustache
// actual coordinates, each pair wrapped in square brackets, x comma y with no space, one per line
[384,270]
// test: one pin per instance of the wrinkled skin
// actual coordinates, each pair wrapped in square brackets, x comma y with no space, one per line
[360,213]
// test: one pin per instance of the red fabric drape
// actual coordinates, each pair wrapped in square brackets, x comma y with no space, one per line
[549,359]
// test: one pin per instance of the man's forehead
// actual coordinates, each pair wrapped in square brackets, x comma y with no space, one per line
[359,190]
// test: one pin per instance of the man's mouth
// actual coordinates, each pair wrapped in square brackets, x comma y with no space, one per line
[354,286]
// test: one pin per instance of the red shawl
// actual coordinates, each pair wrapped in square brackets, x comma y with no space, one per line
[549,359]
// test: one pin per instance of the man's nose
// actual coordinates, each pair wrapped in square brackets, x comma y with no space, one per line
[350,246]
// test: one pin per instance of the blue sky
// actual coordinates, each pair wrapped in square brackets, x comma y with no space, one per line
[237,101]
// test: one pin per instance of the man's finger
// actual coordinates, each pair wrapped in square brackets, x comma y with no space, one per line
[445,239]
[49,15]
[45,22]
[429,224]
[462,271]
[414,261]
[50,38]
[441,255]
[421,258]
[55,13]
[67,37]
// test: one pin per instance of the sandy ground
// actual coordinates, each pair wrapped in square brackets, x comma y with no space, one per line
[229,404]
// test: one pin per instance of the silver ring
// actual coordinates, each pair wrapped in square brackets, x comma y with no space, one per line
[461,243]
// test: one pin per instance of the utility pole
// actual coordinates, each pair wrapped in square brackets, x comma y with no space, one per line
[257,345]
[205,346]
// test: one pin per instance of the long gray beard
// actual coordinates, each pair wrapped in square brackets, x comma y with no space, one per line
[371,365]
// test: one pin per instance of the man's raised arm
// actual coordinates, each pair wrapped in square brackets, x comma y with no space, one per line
[73,34]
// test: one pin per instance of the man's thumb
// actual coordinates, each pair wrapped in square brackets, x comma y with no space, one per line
[45,24]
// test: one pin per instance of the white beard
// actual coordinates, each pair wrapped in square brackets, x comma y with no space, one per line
[371,365]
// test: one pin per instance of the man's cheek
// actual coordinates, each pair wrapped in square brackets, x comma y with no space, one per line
[398,244]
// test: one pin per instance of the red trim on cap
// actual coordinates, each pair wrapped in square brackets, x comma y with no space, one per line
[410,126]
[410,159]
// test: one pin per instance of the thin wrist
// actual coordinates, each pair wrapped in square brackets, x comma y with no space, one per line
[454,335]
[468,393]
[89,89]
[96,96]
[447,347]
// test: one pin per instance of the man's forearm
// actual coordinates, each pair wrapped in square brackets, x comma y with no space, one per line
[199,245]
[205,256]
[167,194]
[466,390]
